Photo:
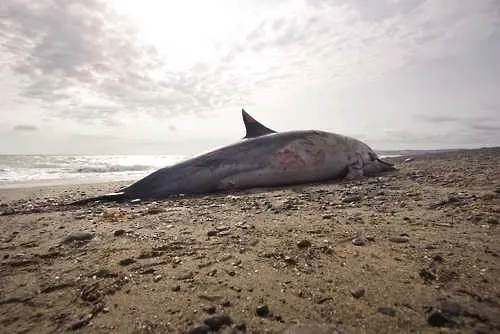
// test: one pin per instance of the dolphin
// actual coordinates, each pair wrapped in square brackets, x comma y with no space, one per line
[264,158]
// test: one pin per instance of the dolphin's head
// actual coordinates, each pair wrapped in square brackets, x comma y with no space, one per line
[372,164]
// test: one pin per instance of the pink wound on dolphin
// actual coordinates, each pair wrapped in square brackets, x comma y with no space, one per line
[289,159]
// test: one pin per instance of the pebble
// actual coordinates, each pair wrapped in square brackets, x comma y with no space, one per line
[119,232]
[210,309]
[157,278]
[451,307]
[217,321]
[437,319]
[127,261]
[304,243]
[351,199]
[78,236]
[360,241]
[399,239]
[199,329]
[492,221]
[186,275]
[262,311]
[358,293]
[176,288]
[387,311]
[212,233]
[155,210]
[427,275]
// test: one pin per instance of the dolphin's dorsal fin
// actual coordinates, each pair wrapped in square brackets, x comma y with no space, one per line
[254,129]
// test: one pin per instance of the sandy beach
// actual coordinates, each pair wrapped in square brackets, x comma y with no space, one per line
[415,250]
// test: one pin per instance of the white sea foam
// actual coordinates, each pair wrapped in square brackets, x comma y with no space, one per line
[27,169]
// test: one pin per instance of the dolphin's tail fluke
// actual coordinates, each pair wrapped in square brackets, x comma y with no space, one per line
[112,197]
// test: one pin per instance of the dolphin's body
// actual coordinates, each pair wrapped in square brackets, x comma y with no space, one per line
[264,158]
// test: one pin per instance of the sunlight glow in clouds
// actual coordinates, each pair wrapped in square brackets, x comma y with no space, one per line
[123,76]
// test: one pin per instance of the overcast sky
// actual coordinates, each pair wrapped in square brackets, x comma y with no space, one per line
[127,76]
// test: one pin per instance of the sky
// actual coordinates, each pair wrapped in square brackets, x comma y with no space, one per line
[171,77]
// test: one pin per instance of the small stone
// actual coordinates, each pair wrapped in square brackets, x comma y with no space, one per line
[492,221]
[358,293]
[351,199]
[80,322]
[304,243]
[438,258]
[387,311]
[176,288]
[399,239]
[155,210]
[199,329]
[126,262]
[451,307]
[437,319]
[186,275]
[119,232]
[360,241]
[262,311]
[427,275]
[78,236]
[157,278]
[210,309]
[212,233]
[217,321]
[226,303]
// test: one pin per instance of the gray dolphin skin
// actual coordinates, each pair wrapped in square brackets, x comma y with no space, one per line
[265,158]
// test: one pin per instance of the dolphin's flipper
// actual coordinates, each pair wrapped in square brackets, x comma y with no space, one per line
[113,197]
[254,129]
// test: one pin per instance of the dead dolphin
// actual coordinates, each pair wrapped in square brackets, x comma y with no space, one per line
[265,158]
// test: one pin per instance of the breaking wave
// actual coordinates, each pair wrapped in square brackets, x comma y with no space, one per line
[112,169]
[79,168]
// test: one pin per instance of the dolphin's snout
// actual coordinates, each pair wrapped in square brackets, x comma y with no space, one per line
[377,166]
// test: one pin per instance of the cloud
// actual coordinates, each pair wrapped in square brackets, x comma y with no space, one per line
[472,123]
[25,128]
[68,52]
[437,118]
[133,69]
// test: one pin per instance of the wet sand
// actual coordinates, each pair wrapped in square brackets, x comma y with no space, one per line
[416,250]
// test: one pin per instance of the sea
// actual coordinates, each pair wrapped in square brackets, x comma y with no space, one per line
[39,170]
[34,170]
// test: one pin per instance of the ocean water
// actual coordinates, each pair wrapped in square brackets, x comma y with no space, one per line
[72,169]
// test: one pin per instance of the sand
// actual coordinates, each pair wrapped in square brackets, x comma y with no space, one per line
[416,250]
